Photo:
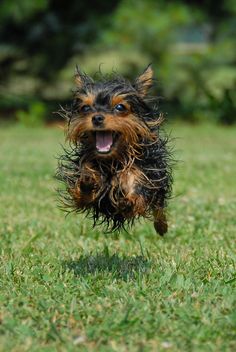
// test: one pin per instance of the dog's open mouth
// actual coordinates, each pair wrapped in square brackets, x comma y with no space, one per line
[104,141]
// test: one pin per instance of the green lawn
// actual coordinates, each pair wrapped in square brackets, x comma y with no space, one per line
[67,287]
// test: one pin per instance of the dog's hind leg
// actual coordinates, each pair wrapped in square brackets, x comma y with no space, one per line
[160,221]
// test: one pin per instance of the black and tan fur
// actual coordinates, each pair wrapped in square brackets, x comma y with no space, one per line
[132,178]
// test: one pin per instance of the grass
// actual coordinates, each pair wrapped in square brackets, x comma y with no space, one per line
[66,287]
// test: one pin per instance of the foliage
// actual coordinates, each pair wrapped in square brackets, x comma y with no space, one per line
[37,39]
[20,11]
[34,117]
[66,287]
[191,46]
[186,52]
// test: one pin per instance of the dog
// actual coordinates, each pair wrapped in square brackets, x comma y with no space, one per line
[118,165]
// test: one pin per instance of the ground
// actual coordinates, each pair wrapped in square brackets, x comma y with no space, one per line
[66,287]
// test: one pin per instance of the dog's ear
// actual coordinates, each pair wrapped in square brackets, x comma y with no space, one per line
[144,81]
[81,79]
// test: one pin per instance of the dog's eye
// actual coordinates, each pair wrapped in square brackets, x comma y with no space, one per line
[85,108]
[120,108]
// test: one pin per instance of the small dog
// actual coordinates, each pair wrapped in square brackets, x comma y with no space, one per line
[118,167]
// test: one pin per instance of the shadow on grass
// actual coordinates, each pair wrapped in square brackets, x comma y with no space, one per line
[125,267]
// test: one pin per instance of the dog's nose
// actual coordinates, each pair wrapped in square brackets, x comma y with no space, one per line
[98,120]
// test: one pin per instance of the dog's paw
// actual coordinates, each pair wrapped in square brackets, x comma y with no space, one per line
[160,222]
[133,205]
[87,185]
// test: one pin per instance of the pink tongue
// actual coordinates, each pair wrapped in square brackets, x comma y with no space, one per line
[103,141]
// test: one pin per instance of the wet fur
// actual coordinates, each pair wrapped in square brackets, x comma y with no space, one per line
[134,179]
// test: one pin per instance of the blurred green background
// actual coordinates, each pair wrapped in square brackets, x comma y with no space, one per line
[191,45]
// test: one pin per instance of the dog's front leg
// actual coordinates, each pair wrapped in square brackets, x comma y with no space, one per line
[87,186]
[132,201]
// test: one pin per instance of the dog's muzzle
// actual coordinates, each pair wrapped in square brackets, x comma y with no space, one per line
[104,141]
[98,120]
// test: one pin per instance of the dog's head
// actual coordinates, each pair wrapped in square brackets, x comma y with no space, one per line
[111,117]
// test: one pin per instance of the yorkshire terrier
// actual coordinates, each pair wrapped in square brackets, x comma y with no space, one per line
[118,166]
